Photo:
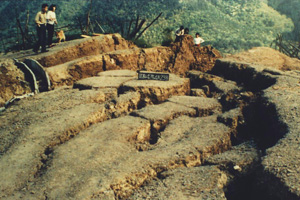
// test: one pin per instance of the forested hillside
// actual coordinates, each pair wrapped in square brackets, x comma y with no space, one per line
[229,25]
[290,8]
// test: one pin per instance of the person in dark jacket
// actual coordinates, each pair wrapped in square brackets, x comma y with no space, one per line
[179,34]
[40,21]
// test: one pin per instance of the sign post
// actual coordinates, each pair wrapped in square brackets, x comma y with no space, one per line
[153,76]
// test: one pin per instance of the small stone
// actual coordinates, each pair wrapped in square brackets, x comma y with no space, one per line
[237,168]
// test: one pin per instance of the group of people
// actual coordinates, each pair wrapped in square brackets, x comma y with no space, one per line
[183,31]
[45,20]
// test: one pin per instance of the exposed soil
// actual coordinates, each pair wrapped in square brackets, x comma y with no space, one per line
[217,130]
[12,81]
[267,57]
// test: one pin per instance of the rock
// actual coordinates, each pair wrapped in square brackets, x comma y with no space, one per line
[237,168]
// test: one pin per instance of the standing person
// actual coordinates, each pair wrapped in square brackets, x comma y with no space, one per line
[186,31]
[198,40]
[179,33]
[40,21]
[51,20]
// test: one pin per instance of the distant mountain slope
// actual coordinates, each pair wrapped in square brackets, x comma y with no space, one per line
[291,9]
[229,25]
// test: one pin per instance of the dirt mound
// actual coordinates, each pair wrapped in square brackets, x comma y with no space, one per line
[72,50]
[12,81]
[267,57]
[179,58]
[74,60]
[193,57]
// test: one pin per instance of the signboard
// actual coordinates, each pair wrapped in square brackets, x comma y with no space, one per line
[153,76]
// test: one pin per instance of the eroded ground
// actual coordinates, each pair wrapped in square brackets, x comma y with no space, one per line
[229,133]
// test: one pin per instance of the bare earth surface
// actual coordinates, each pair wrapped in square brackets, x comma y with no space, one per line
[12,81]
[267,57]
[218,129]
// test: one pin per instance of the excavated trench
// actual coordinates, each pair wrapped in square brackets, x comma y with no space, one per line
[259,122]
[263,126]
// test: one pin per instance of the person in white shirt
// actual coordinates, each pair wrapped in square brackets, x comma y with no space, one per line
[198,40]
[51,20]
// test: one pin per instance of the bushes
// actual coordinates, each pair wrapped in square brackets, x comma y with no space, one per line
[228,25]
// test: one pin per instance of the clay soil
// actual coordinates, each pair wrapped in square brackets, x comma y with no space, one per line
[218,129]
[12,81]
[267,57]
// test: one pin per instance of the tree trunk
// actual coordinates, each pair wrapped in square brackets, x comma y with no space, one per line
[26,25]
[129,28]
[88,18]
[148,26]
[81,27]
[22,33]
[140,25]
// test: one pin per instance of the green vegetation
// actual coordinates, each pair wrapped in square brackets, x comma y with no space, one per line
[228,25]
[291,9]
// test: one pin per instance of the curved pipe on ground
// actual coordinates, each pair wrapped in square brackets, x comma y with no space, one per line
[40,72]
[9,102]
[29,75]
